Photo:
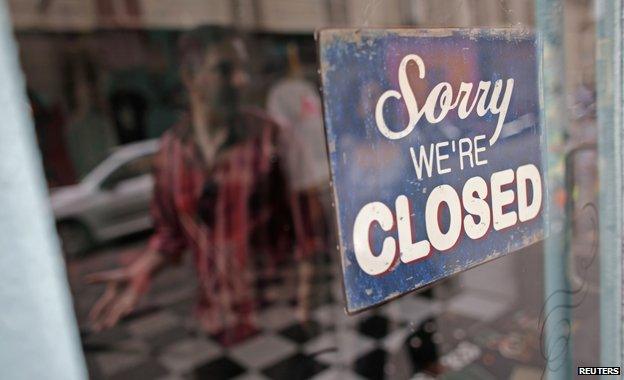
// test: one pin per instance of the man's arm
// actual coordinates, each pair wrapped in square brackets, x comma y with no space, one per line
[126,285]
[124,288]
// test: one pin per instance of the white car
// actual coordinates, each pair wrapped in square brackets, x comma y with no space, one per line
[111,201]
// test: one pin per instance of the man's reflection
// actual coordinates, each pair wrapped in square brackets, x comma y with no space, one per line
[214,176]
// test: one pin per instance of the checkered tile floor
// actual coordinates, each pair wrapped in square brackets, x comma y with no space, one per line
[409,338]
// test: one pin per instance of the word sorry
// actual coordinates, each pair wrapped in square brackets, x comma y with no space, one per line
[474,200]
[443,98]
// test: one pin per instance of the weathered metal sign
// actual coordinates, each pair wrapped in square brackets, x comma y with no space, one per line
[435,147]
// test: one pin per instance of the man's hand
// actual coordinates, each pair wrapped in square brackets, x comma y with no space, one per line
[124,288]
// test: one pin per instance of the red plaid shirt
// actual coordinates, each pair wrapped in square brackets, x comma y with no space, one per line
[217,231]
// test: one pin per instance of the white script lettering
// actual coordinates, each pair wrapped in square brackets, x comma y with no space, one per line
[441,99]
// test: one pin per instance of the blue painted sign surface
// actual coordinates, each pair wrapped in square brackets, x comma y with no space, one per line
[435,147]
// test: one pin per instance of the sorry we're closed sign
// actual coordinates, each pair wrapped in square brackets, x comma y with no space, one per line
[435,146]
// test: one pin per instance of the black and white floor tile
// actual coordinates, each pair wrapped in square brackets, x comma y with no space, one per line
[404,339]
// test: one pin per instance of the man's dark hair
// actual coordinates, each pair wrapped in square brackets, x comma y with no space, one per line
[195,43]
